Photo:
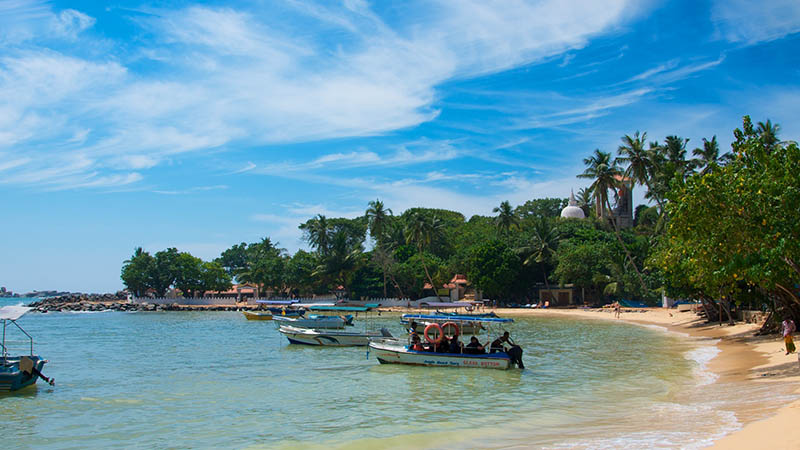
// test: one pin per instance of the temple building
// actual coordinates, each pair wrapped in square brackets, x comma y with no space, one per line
[572,210]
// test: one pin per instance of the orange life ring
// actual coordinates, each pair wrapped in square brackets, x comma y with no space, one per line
[440,334]
[449,325]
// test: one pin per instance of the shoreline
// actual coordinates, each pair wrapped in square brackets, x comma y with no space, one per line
[743,359]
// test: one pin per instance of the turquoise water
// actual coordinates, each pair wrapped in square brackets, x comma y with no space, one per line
[214,379]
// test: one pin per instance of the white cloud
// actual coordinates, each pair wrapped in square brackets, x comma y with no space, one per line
[233,76]
[751,22]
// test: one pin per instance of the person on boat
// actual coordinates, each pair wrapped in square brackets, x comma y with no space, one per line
[416,343]
[499,344]
[474,347]
[455,345]
[412,326]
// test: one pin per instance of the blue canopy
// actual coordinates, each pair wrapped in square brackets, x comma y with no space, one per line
[340,308]
[456,318]
[277,302]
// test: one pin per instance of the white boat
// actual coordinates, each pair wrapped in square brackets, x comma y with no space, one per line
[334,338]
[400,351]
[314,321]
[396,351]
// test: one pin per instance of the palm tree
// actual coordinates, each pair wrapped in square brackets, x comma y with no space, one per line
[543,245]
[607,175]
[585,200]
[633,152]
[382,255]
[768,134]
[420,231]
[377,217]
[505,219]
[708,156]
[318,234]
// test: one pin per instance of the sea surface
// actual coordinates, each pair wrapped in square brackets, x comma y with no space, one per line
[213,379]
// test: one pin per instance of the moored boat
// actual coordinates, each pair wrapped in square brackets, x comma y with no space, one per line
[257,315]
[440,351]
[334,338]
[396,351]
[314,321]
[468,323]
[17,372]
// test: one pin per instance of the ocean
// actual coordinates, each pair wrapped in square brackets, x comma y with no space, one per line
[213,379]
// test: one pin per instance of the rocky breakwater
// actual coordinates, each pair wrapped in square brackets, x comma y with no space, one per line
[111,302]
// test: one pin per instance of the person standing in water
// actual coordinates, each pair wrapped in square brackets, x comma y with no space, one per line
[788,327]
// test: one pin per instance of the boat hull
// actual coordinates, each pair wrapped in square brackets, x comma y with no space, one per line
[326,338]
[12,379]
[394,352]
[328,322]
[257,315]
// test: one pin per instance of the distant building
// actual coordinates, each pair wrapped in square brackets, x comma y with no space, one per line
[572,210]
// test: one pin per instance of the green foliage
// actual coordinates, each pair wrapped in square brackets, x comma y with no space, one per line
[191,275]
[136,272]
[493,266]
[541,207]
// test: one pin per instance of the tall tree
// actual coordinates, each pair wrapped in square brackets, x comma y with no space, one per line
[633,153]
[506,219]
[136,272]
[607,175]
[317,233]
[706,157]
[377,217]
[420,231]
[544,242]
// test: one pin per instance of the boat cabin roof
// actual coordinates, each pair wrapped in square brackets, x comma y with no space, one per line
[340,308]
[456,318]
[277,302]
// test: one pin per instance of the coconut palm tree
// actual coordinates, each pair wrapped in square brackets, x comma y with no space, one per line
[542,246]
[317,232]
[506,219]
[633,152]
[585,201]
[420,231]
[706,157]
[607,175]
[377,216]
[768,134]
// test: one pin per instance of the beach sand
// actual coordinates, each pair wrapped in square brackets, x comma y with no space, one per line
[743,358]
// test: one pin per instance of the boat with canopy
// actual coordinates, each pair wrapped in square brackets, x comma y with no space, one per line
[17,372]
[316,321]
[269,308]
[314,334]
[468,323]
[401,351]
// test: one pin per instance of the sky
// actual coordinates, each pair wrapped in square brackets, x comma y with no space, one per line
[201,125]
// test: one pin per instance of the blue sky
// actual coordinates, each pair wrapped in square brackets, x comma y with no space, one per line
[201,125]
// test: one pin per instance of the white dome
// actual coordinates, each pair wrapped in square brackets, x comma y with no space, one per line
[572,210]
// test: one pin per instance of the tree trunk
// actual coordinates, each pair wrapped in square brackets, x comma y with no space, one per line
[425,267]
[625,248]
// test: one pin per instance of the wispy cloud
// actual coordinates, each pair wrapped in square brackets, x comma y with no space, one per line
[237,76]
[748,22]
[192,190]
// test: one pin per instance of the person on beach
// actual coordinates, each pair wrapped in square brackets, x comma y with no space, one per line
[788,328]
[617,310]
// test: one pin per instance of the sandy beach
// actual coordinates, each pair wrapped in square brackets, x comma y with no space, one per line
[743,358]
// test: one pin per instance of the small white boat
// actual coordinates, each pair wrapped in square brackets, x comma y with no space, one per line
[334,338]
[314,321]
[396,351]
[401,351]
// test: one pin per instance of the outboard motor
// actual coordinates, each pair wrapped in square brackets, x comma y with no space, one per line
[515,353]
